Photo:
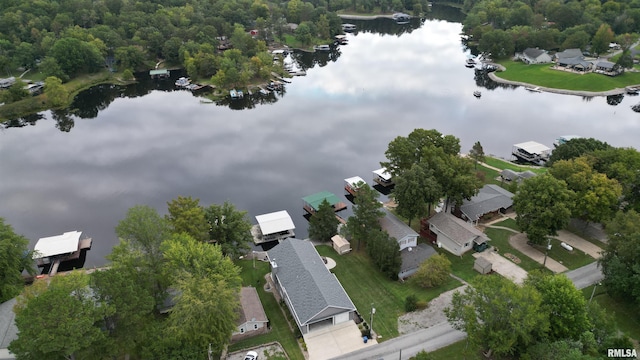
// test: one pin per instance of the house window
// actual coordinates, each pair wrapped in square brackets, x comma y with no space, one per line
[255,326]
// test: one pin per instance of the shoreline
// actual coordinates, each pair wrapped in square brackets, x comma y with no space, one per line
[364,17]
[616,91]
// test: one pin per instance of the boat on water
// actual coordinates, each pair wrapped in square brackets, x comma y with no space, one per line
[348,27]
[240,94]
[470,63]
[632,90]
[401,18]
[477,94]
[263,92]
[341,40]
[183,82]
[322,47]
[533,89]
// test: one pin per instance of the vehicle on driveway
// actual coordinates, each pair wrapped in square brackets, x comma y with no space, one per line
[251,355]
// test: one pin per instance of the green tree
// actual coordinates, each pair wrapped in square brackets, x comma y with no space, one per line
[498,316]
[415,190]
[16,92]
[433,272]
[597,196]
[141,234]
[621,257]
[57,95]
[458,180]
[366,213]
[49,310]
[625,61]
[229,228]
[187,216]
[76,56]
[207,284]
[14,257]
[385,253]
[130,57]
[543,205]
[566,305]
[575,148]
[303,33]
[323,224]
[477,154]
[622,164]
[124,290]
[498,43]
[556,350]
[49,67]
[601,40]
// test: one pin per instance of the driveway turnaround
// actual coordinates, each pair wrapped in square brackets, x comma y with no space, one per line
[579,243]
[519,242]
[336,340]
[503,266]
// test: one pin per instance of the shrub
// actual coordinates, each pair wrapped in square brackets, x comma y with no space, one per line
[433,272]
[410,303]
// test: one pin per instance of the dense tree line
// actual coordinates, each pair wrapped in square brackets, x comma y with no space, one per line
[545,318]
[504,27]
[170,291]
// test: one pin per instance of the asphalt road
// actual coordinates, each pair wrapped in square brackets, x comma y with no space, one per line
[586,275]
[429,339]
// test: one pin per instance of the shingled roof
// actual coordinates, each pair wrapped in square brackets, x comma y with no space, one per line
[457,229]
[311,287]
[490,198]
[394,226]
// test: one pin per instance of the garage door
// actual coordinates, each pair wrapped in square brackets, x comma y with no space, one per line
[340,318]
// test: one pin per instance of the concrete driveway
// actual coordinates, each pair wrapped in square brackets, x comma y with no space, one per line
[335,340]
[519,242]
[579,243]
[503,266]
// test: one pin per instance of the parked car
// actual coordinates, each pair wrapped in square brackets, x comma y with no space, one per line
[251,355]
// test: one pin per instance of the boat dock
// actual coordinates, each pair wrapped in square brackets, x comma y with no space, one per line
[54,250]
[352,184]
[313,201]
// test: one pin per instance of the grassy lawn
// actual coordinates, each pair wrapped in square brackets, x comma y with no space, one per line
[543,75]
[625,313]
[461,266]
[500,239]
[366,286]
[280,331]
[502,164]
[580,232]
[571,260]
[508,223]
[457,350]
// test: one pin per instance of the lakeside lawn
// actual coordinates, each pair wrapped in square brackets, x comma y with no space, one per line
[366,286]
[280,330]
[503,164]
[543,75]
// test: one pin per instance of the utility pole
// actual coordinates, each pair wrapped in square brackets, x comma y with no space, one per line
[594,291]
[373,311]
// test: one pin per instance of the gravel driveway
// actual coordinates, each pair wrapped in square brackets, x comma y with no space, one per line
[264,352]
[425,318]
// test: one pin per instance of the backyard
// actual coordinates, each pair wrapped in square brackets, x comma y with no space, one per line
[544,75]
[368,288]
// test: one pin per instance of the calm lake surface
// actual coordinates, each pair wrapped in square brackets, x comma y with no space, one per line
[147,144]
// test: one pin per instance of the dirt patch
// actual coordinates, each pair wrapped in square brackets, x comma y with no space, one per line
[432,315]
[264,352]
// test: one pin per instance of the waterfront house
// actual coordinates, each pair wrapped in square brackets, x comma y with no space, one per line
[252,319]
[490,200]
[312,293]
[534,56]
[454,234]
[572,59]
[397,229]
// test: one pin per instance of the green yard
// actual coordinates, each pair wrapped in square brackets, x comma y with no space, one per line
[571,260]
[500,239]
[503,164]
[367,286]
[280,330]
[626,313]
[543,75]
[457,350]
[461,266]
[508,223]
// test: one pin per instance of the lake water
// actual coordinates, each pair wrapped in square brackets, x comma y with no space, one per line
[147,145]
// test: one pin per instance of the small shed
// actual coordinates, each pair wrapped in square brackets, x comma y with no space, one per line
[482,265]
[340,244]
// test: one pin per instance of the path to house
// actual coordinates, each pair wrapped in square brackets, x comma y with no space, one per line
[519,242]
[579,243]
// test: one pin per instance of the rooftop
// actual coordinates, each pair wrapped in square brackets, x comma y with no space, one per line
[275,222]
[250,306]
[383,174]
[490,198]
[395,227]
[533,147]
[314,200]
[457,229]
[355,181]
[57,245]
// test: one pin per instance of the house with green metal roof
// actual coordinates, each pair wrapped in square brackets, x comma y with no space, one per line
[312,202]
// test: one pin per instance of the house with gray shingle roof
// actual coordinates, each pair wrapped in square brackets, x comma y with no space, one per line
[534,56]
[573,58]
[252,319]
[490,199]
[454,234]
[398,230]
[313,294]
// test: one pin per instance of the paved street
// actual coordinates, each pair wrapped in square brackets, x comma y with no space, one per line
[430,339]
[586,275]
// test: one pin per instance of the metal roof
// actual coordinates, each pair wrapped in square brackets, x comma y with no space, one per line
[395,227]
[354,181]
[311,287]
[275,222]
[533,147]
[316,199]
[490,198]
[383,174]
[57,245]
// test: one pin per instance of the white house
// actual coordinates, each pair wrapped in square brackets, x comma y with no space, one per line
[398,230]
[534,56]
